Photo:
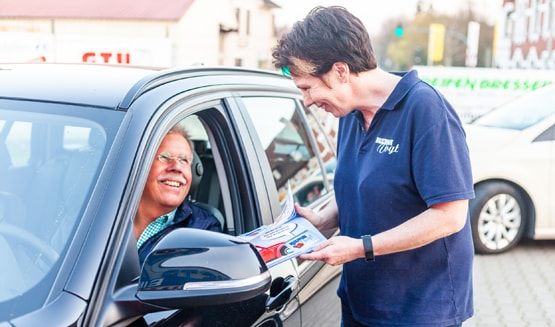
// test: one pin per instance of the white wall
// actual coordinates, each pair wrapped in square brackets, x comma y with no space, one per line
[74,41]
[196,36]
[253,49]
[194,39]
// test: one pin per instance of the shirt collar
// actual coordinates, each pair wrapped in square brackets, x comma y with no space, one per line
[183,212]
[408,80]
[153,228]
[170,217]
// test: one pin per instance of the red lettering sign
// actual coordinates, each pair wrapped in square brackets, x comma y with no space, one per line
[104,57]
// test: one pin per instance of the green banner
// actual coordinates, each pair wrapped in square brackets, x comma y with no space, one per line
[475,84]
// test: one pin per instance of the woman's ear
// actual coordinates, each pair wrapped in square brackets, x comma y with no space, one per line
[342,71]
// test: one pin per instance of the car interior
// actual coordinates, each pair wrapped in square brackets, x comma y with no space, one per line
[205,187]
[205,191]
[46,172]
[40,211]
[51,218]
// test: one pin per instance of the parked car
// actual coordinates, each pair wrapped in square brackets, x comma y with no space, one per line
[512,149]
[76,145]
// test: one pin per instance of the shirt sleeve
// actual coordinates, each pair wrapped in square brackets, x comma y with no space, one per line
[214,225]
[203,219]
[441,163]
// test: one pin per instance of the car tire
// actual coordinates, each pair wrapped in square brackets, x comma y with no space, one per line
[498,217]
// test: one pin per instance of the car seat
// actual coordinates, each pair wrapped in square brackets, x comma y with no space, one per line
[66,178]
[5,159]
[197,172]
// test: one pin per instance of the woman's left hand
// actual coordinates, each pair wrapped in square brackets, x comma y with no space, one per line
[337,250]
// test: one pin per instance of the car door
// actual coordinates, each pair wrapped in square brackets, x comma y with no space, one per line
[552,175]
[241,198]
[546,140]
[296,151]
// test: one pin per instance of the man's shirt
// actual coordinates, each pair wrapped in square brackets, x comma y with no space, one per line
[186,215]
[156,226]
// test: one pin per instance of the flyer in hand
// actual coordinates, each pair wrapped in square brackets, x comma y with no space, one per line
[290,236]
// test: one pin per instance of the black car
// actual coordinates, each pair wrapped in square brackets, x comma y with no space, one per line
[76,145]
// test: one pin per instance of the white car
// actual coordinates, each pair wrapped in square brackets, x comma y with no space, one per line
[512,150]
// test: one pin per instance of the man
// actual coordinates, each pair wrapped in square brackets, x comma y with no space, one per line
[402,182]
[162,207]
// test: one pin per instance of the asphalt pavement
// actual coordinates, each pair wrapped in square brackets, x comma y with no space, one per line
[513,289]
[516,288]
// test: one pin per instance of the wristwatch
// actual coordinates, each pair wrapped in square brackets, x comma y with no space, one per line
[368,248]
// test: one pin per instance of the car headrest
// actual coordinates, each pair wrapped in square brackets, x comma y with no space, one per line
[196,171]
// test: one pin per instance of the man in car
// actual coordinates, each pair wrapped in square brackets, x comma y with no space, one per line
[163,207]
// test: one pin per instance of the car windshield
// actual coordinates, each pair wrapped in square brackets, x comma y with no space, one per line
[50,156]
[522,112]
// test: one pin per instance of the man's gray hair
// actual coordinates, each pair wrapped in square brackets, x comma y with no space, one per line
[179,129]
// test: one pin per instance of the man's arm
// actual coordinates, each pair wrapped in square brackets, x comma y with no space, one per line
[438,221]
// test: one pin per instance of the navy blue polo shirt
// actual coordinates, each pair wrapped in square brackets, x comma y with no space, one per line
[414,155]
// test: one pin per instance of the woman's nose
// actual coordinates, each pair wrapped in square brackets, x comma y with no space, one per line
[307,100]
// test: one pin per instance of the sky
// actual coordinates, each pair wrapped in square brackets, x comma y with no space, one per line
[374,12]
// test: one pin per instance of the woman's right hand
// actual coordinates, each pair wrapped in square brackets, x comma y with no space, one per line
[310,215]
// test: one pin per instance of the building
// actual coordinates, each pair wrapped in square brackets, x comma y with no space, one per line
[249,40]
[160,33]
[525,34]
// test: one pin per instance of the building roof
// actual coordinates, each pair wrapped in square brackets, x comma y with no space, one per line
[271,4]
[169,10]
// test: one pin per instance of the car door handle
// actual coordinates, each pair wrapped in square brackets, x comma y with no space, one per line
[281,291]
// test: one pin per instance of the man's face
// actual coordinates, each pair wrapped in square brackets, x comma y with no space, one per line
[326,92]
[168,182]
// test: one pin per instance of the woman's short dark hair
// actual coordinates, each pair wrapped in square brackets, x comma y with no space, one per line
[327,35]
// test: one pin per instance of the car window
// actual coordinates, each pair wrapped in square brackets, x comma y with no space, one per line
[195,128]
[223,196]
[522,112]
[547,135]
[281,130]
[50,167]
[208,193]
[18,143]
[324,127]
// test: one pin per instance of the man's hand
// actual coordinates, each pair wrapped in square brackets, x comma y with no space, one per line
[337,250]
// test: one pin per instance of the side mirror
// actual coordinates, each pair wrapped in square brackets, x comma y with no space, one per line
[193,267]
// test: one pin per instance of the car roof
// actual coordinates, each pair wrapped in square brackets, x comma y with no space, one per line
[107,86]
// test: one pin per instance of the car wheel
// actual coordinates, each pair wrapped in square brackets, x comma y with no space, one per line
[498,217]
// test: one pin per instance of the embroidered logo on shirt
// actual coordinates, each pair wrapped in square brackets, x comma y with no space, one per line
[386,146]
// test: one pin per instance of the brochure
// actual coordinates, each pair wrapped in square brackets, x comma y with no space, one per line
[290,236]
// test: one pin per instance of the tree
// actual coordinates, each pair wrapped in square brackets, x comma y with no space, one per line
[399,53]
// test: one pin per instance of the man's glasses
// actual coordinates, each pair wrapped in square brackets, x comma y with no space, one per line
[165,157]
